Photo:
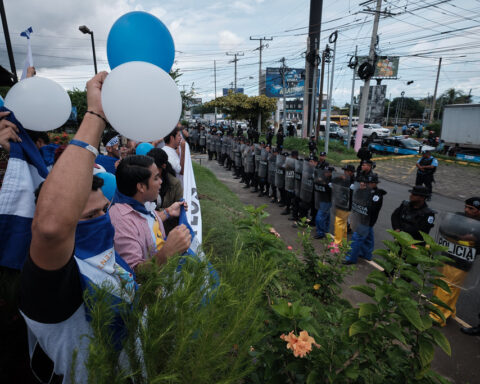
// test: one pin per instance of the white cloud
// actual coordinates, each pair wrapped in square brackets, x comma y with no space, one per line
[229,40]
[243,6]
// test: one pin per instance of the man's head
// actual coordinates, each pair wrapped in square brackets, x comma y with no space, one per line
[138,177]
[39,138]
[294,154]
[111,142]
[348,170]
[322,156]
[426,154]
[372,181]
[472,207]
[313,160]
[418,195]
[366,166]
[174,138]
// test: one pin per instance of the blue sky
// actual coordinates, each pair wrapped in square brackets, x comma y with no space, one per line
[419,31]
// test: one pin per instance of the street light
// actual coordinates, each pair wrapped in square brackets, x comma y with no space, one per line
[84,29]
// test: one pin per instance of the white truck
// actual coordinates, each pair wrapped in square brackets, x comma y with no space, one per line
[461,125]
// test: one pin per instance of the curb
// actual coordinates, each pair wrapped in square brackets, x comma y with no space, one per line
[416,156]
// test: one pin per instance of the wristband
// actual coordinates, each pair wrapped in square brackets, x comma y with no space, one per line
[166,213]
[87,146]
[100,116]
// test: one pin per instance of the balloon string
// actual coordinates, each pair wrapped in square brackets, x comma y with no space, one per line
[100,116]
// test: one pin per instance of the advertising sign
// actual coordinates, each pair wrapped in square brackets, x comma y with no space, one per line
[294,82]
[385,68]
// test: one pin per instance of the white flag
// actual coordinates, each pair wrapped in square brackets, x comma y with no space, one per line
[194,214]
[29,59]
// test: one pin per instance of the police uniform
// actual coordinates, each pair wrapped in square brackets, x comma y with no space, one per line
[425,176]
[412,220]
[363,238]
[343,203]
[323,203]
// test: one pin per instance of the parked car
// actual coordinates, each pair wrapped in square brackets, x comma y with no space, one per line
[335,131]
[373,131]
[399,145]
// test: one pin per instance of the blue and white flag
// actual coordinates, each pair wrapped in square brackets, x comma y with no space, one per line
[190,195]
[29,59]
[25,171]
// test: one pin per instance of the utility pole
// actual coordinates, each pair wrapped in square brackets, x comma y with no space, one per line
[353,65]
[283,70]
[320,97]
[366,86]
[235,60]
[260,47]
[314,27]
[8,43]
[435,92]
[215,81]
[332,39]
[314,85]
[388,109]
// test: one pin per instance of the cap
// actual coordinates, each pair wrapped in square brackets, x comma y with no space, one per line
[262,143]
[419,190]
[312,136]
[349,167]
[294,153]
[367,162]
[322,154]
[313,157]
[331,169]
[473,201]
[426,151]
[372,178]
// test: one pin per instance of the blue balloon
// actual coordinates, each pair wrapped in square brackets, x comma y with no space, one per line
[1,101]
[143,148]
[140,36]
[109,184]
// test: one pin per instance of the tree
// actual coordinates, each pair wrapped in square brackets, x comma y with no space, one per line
[242,107]
[408,108]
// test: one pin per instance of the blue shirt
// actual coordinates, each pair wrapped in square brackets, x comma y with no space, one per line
[107,162]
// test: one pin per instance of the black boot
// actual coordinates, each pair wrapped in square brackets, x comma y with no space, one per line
[473,331]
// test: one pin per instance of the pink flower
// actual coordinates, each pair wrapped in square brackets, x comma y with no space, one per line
[333,247]
[289,247]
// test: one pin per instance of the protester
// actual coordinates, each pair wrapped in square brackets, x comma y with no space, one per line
[173,144]
[69,229]
[111,142]
[139,232]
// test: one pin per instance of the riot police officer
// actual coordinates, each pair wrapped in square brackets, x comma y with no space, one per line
[312,145]
[263,170]
[366,169]
[298,184]
[203,139]
[460,233]
[289,181]
[414,215]
[322,162]
[280,136]
[323,200]
[269,136]
[366,205]
[249,164]
[280,176]
[306,188]
[427,165]
[272,171]
[342,191]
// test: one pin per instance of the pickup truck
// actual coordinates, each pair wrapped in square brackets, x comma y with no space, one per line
[399,145]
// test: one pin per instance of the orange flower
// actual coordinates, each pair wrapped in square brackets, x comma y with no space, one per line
[289,304]
[413,246]
[301,345]
[316,287]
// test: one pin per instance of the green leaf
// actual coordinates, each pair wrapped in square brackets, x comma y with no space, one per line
[440,303]
[365,289]
[358,327]
[427,322]
[380,252]
[282,309]
[395,330]
[435,310]
[367,309]
[440,339]
[312,377]
[352,373]
[414,276]
[380,293]
[393,246]
[384,264]
[440,283]
[410,310]
[425,351]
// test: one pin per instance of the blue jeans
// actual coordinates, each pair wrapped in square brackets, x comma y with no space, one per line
[362,245]
[322,220]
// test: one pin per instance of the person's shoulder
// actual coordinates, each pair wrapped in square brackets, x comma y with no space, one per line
[119,210]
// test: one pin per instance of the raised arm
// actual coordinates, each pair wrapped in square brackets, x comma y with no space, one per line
[66,189]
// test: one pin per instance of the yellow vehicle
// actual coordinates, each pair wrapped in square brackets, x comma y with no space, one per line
[341,120]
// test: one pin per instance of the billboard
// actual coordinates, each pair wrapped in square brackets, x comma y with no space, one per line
[376,103]
[294,82]
[385,68]
[226,91]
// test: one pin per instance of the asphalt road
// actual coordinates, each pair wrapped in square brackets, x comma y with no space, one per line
[462,367]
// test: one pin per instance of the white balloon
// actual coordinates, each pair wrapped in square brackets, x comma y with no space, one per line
[39,104]
[141,101]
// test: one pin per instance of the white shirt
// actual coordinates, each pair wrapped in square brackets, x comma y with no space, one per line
[173,159]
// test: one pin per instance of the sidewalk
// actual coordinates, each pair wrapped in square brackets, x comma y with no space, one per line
[462,367]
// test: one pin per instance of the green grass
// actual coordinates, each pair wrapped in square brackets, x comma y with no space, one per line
[220,209]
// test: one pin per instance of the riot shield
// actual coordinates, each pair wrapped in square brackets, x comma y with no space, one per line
[306,187]
[213,143]
[203,138]
[280,171]
[224,145]
[290,174]
[243,151]
[272,169]
[321,190]
[237,154]
[258,152]
[250,161]
[341,192]
[298,176]
[194,136]
[263,164]
[218,146]
[208,139]
[361,207]
[461,235]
